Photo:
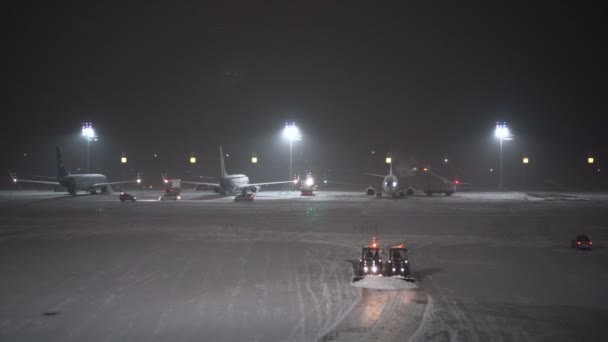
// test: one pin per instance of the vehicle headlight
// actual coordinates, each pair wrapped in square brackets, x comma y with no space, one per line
[374,269]
[365,269]
[402,270]
[393,269]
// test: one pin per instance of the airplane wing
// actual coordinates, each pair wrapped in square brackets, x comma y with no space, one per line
[201,183]
[97,185]
[375,175]
[15,180]
[268,183]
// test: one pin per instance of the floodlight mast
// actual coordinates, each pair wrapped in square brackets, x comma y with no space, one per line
[502,133]
[89,134]
[292,133]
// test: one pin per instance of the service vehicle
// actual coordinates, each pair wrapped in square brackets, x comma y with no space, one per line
[370,262]
[582,242]
[244,197]
[398,263]
[170,196]
[127,197]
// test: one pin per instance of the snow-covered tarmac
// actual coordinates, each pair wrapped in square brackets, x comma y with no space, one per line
[489,266]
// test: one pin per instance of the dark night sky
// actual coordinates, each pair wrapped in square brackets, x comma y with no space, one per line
[423,80]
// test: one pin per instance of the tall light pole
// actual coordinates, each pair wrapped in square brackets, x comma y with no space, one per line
[502,133]
[89,134]
[292,133]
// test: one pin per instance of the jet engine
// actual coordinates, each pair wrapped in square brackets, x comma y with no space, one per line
[370,191]
[254,189]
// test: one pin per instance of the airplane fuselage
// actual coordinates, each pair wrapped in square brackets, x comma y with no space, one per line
[390,185]
[233,183]
[82,182]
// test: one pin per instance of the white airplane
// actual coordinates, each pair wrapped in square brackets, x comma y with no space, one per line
[431,184]
[91,182]
[233,183]
[389,186]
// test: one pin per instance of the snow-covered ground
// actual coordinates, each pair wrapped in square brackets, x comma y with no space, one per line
[489,266]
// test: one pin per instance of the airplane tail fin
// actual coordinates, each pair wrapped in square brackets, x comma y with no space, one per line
[61,171]
[222,165]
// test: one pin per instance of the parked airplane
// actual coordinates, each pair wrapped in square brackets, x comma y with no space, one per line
[389,186]
[76,182]
[429,182]
[233,183]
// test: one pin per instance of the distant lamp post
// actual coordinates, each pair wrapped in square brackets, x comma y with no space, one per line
[525,160]
[89,134]
[291,133]
[123,159]
[389,160]
[502,133]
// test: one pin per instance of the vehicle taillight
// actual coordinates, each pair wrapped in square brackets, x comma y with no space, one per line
[591,243]
[578,242]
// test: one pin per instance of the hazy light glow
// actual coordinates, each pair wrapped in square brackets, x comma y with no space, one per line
[254,160]
[526,160]
[590,160]
[502,131]
[123,160]
[389,160]
[88,132]
[192,160]
[292,132]
[310,181]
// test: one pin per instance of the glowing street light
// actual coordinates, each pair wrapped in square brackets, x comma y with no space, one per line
[526,160]
[291,133]
[89,134]
[502,133]
[389,160]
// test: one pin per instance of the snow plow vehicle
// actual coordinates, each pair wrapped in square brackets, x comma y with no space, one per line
[398,263]
[370,262]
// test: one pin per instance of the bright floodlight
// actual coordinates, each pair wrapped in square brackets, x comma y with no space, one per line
[310,181]
[291,132]
[87,131]
[502,131]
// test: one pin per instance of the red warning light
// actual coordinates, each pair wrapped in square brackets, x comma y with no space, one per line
[457,182]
